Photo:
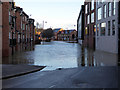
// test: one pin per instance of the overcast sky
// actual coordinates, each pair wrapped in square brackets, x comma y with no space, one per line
[57,13]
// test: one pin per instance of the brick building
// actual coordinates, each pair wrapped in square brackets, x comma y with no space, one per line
[18,32]
[8,28]
[90,22]
[18,28]
[67,35]
[55,33]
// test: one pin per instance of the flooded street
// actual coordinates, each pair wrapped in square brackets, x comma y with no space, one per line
[58,54]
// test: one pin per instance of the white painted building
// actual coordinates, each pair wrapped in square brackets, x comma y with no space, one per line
[107,26]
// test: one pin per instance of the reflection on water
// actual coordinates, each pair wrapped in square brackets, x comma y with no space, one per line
[57,54]
[89,57]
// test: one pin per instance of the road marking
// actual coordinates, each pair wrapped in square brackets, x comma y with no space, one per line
[52,86]
[77,73]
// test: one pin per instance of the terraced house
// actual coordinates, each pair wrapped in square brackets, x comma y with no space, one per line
[90,22]
[17,29]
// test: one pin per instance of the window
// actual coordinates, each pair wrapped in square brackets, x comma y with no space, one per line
[94,29]
[103,1]
[102,28]
[109,9]
[99,13]
[97,29]
[23,18]
[92,17]
[9,17]
[92,5]
[88,21]
[86,7]
[86,32]
[114,6]
[109,28]
[104,11]
[113,27]
[98,2]
[23,26]
[26,27]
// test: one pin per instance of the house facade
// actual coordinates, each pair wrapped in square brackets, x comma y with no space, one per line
[8,28]
[67,35]
[107,26]
[17,28]
[90,22]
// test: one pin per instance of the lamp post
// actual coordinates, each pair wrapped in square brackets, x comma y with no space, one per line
[44,23]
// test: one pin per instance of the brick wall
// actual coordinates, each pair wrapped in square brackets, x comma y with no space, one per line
[5,30]
[0,33]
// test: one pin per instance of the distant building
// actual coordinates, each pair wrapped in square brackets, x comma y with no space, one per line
[67,35]
[80,25]
[56,33]
[107,26]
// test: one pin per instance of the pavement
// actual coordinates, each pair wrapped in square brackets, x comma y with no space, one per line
[10,71]
[81,77]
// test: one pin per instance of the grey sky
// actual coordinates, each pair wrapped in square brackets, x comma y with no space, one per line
[57,13]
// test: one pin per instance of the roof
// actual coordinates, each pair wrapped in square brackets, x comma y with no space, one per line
[56,30]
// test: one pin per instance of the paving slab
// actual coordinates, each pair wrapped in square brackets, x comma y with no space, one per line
[9,71]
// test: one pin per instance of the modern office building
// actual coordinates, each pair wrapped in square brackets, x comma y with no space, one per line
[107,26]
[80,25]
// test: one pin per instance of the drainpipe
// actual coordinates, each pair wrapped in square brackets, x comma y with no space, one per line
[12,43]
[118,33]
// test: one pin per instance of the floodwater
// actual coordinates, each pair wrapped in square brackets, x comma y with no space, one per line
[58,54]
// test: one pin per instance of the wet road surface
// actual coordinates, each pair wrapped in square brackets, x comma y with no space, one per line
[82,77]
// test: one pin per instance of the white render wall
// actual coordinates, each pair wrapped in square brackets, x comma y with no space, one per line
[107,43]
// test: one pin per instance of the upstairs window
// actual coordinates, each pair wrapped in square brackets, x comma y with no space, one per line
[104,11]
[109,9]
[92,4]
[114,7]
[86,7]
[99,14]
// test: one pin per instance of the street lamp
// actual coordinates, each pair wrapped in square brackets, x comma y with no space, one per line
[44,23]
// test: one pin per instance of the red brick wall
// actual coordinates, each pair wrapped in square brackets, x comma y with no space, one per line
[89,39]
[18,28]
[5,30]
